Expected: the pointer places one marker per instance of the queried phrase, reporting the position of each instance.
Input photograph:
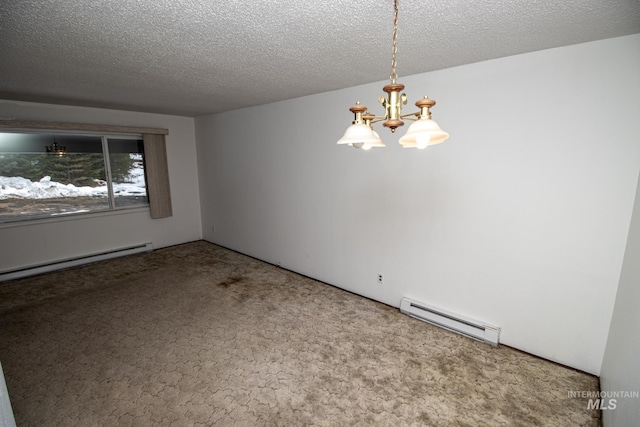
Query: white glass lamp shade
(423, 132)
(360, 136)
(367, 146)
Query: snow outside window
(88, 173)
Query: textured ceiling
(194, 57)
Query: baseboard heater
(73, 262)
(453, 322)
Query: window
(51, 174)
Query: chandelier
(422, 132)
(56, 149)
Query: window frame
(156, 170)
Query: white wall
(32, 244)
(621, 365)
(6, 413)
(519, 219)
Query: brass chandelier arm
(377, 119)
(411, 116)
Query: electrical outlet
(380, 278)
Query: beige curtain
(157, 170)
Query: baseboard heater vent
(73, 262)
(454, 322)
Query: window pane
(126, 157)
(36, 183)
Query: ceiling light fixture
(422, 133)
(56, 149)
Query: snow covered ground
(12, 187)
(15, 186)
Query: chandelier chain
(393, 75)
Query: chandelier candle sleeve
(421, 134)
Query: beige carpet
(200, 335)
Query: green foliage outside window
(71, 168)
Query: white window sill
(73, 216)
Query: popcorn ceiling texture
(194, 57)
(200, 335)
